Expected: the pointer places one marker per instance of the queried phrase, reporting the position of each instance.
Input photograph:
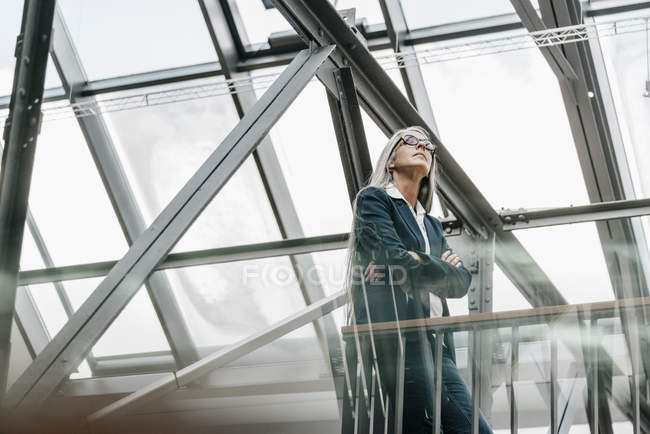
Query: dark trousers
(456, 402)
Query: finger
(455, 261)
(459, 264)
(451, 258)
(369, 269)
(444, 255)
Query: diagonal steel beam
(58, 359)
(275, 184)
(20, 135)
(119, 192)
(384, 102)
(350, 134)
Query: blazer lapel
(434, 240)
(407, 215)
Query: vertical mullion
(514, 374)
(437, 400)
(476, 379)
(553, 385)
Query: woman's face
(407, 157)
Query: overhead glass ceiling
(311, 164)
(500, 115)
(145, 35)
(432, 13)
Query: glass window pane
(125, 37)
(432, 13)
(162, 146)
(506, 296)
(307, 149)
(135, 330)
(572, 257)
(68, 199)
(49, 306)
(502, 117)
(224, 303)
(292, 360)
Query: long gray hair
(380, 178)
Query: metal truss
(53, 365)
(44, 376)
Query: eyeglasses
(413, 141)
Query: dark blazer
(385, 230)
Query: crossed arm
(376, 233)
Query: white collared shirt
(435, 302)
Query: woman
(408, 272)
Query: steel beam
(535, 218)
(350, 134)
(298, 246)
(220, 358)
(119, 192)
(276, 187)
(479, 301)
(59, 358)
(20, 135)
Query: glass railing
(551, 369)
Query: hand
(415, 255)
(371, 274)
(452, 258)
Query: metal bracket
(349, 16)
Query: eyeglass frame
(427, 143)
